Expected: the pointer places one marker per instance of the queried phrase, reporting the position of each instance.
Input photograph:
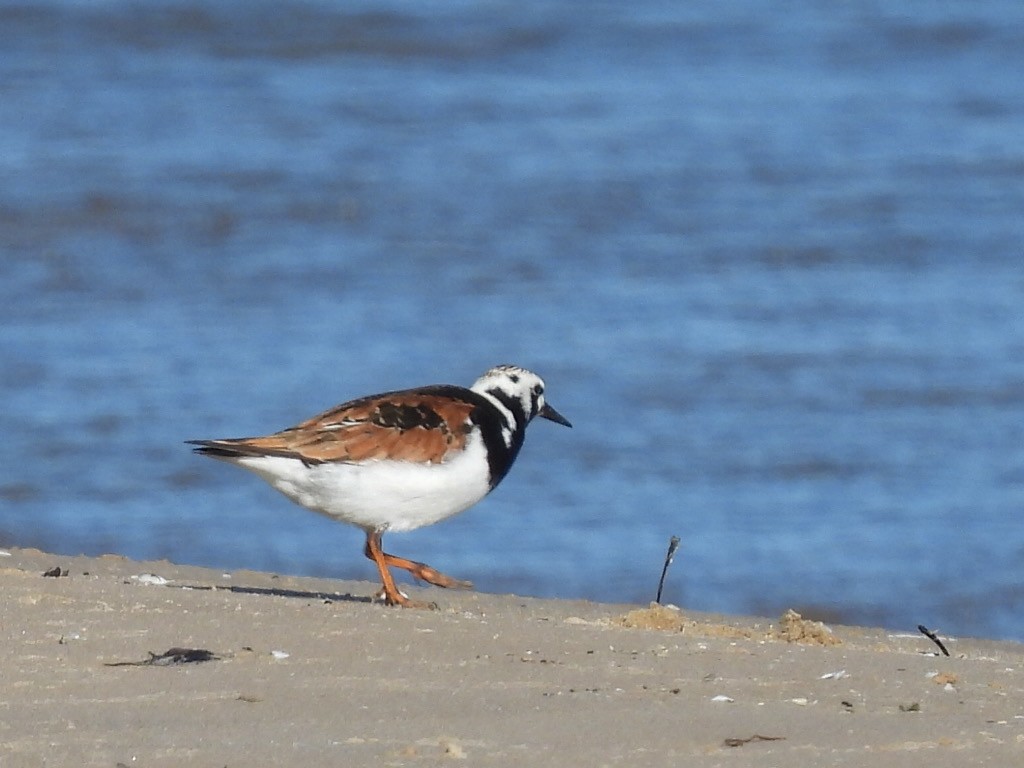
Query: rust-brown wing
(400, 426)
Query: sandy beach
(112, 662)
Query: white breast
(383, 495)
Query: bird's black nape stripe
(493, 425)
(514, 404)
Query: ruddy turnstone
(399, 460)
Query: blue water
(768, 257)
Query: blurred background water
(768, 256)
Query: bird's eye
(537, 389)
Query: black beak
(551, 414)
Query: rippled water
(768, 260)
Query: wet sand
(308, 672)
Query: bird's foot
(426, 573)
(403, 600)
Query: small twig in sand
(170, 657)
(673, 545)
(933, 637)
(755, 737)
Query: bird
(399, 460)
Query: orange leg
(373, 551)
(419, 571)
